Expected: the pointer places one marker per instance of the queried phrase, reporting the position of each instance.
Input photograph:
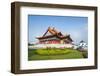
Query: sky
(77, 27)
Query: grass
(53, 53)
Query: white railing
(52, 46)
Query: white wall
(5, 33)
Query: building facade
(52, 36)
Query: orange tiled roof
(54, 32)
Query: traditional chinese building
(52, 36)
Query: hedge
(52, 51)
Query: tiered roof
(53, 33)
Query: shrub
(52, 51)
(85, 54)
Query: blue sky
(77, 27)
